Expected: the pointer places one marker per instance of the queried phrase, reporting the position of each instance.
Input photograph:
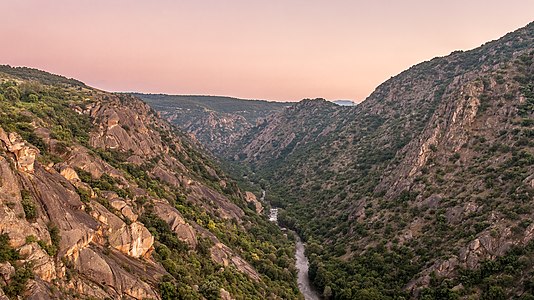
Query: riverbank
(301, 264)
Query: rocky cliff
(424, 189)
(100, 198)
(217, 122)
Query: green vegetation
(197, 105)
(28, 101)
(17, 282)
(28, 205)
(386, 192)
(7, 253)
(496, 279)
(196, 113)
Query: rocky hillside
(217, 122)
(424, 190)
(101, 199)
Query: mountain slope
(100, 198)
(215, 121)
(417, 186)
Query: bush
(17, 284)
(28, 205)
(7, 253)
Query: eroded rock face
(24, 153)
(3, 296)
(42, 264)
(134, 240)
(58, 204)
(65, 210)
(69, 174)
(223, 255)
(225, 295)
(117, 274)
(6, 271)
(214, 201)
(184, 231)
(41, 290)
(103, 251)
(251, 198)
(489, 244)
(116, 123)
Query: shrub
(17, 284)
(7, 253)
(28, 205)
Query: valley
(301, 261)
(425, 190)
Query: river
(302, 264)
(303, 280)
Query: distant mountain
(424, 190)
(215, 121)
(345, 102)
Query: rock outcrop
(23, 152)
(251, 198)
(77, 193)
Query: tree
(327, 293)
(12, 93)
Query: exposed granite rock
(129, 214)
(225, 295)
(251, 198)
(69, 174)
(113, 118)
(42, 264)
(65, 210)
(223, 255)
(6, 271)
(40, 290)
(134, 239)
(24, 153)
(184, 231)
(3, 296)
(113, 277)
(214, 201)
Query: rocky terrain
(102, 199)
(424, 190)
(217, 122)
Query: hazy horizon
(278, 51)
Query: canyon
(425, 190)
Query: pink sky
(278, 49)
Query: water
(302, 264)
(273, 215)
(303, 280)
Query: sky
(277, 50)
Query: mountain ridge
(100, 198)
(375, 186)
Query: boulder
(225, 295)
(251, 198)
(223, 255)
(24, 152)
(69, 174)
(42, 264)
(6, 271)
(134, 240)
(171, 216)
(129, 214)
